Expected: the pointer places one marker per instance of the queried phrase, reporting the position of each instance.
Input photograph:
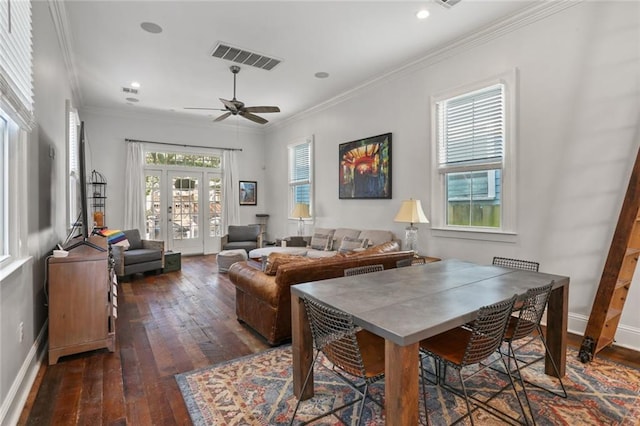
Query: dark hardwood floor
(167, 324)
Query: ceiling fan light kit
(236, 107)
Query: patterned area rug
(257, 390)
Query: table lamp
(301, 211)
(411, 212)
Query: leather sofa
(263, 302)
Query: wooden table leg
(401, 384)
(302, 348)
(557, 323)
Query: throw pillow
(124, 243)
(349, 244)
(321, 241)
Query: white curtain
(134, 188)
(231, 214)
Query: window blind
(16, 67)
(472, 128)
(300, 164)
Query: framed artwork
(248, 193)
(365, 168)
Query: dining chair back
(349, 348)
(507, 262)
(359, 270)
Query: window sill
(474, 234)
(12, 266)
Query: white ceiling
(353, 41)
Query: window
(473, 176)
(16, 121)
(300, 174)
(4, 188)
(73, 165)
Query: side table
(172, 261)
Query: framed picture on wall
(364, 168)
(248, 193)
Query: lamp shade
(301, 210)
(411, 212)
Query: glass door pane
(185, 218)
(153, 206)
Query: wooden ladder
(617, 274)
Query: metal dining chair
(527, 326)
(359, 270)
(507, 262)
(468, 346)
(351, 350)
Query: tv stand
(83, 304)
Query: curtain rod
(184, 145)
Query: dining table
(409, 304)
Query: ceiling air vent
(130, 90)
(447, 3)
(245, 57)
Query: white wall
(578, 134)
(106, 152)
(21, 294)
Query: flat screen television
(84, 205)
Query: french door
(184, 208)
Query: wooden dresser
(82, 301)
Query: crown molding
(65, 40)
(496, 29)
(167, 117)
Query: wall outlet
(21, 331)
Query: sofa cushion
(141, 256)
(340, 234)
(245, 245)
(275, 260)
(321, 241)
(349, 244)
(376, 237)
(243, 233)
(135, 242)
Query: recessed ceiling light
(132, 99)
(321, 74)
(422, 14)
(135, 84)
(150, 27)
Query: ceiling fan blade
(253, 117)
(209, 109)
(222, 117)
(230, 105)
(262, 109)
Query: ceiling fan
(235, 107)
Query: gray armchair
(141, 256)
(247, 237)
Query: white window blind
(300, 174)
(471, 128)
(16, 67)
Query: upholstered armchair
(140, 256)
(247, 237)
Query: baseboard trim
(626, 337)
(19, 392)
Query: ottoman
(226, 258)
